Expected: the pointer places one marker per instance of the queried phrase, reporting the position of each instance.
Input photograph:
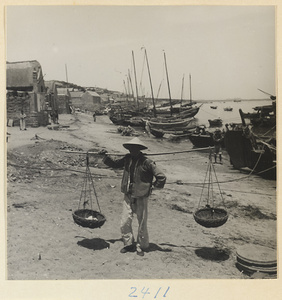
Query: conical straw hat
(135, 141)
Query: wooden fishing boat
(201, 140)
(248, 150)
(189, 113)
(264, 116)
(215, 122)
(168, 123)
(213, 107)
(158, 133)
(181, 131)
(228, 108)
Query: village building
(25, 90)
(88, 101)
(64, 101)
(76, 99)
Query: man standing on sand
(137, 183)
(22, 120)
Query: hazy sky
(228, 50)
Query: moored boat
(264, 116)
(246, 149)
(168, 123)
(215, 122)
(201, 140)
(213, 107)
(228, 108)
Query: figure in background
(94, 116)
(56, 117)
(147, 128)
(217, 139)
(22, 120)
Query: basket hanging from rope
(86, 216)
(210, 216)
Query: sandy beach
(44, 188)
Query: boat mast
(271, 96)
(135, 79)
(190, 88)
(130, 84)
(168, 85)
(154, 107)
(182, 90)
(125, 91)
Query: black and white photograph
(140, 144)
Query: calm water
(206, 112)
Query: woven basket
(82, 217)
(211, 217)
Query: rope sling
(210, 216)
(86, 216)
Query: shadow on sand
(155, 247)
(94, 244)
(213, 254)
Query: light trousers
(22, 124)
(138, 206)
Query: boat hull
(201, 141)
(168, 124)
(244, 152)
(215, 123)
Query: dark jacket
(140, 181)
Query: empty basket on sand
(87, 217)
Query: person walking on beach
(137, 183)
(217, 139)
(22, 120)
(94, 116)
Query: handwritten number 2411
(146, 292)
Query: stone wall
(15, 103)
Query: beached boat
(215, 122)
(246, 149)
(168, 123)
(264, 116)
(180, 131)
(180, 111)
(201, 140)
(189, 113)
(228, 108)
(174, 117)
(213, 107)
(158, 133)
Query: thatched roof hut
(25, 76)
